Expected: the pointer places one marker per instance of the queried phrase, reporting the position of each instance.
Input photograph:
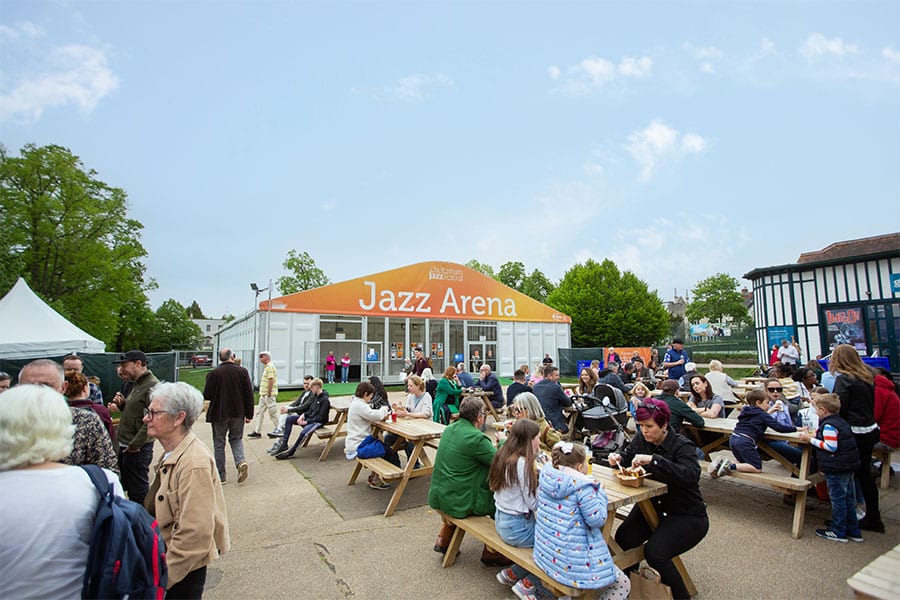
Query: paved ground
(298, 530)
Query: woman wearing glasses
(527, 406)
(669, 458)
(186, 496)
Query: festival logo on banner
(436, 290)
(845, 326)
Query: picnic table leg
(355, 473)
(407, 472)
(342, 417)
(453, 547)
(799, 514)
(653, 520)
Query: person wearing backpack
(186, 496)
(47, 507)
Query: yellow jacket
(190, 508)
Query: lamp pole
(256, 289)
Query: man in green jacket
(459, 483)
(135, 448)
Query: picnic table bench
(620, 499)
(797, 486)
(880, 578)
(340, 406)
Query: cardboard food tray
(632, 481)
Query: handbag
(647, 585)
(370, 447)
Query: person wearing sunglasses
(670, 458)
(779, 408)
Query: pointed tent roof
(436, 290)
(29, 328)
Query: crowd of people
(534, 483)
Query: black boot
(285, 454)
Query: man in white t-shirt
(788, 354)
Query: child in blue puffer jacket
(568, 537)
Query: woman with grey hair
(527, 406)
(48, 508)
(186, 496)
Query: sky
(678, 139)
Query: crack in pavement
(342, 585)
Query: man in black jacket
(230, 394)
(291, 413)
(552, 398)
(315, 414)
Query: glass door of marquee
(883, 329)
(480, 353)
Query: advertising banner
(781, 332)
(845, 326)
(436, 290)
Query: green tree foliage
(304, 274)
(536, 285)
(511, 274)
(483, 268)
(194, 311)
(69, 235)
(174, 329)
(716, 297)
(609, 308)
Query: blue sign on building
(778, 333)
(895, 283)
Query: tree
(194, 311)
(609, 308)
(305, 275)
(69, 235)
(537, 286)
(483, 268)
(717, 298)
(511, 274)
(174, 328)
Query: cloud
(75, 74)
(891, 55)
(658, 143)
(707, 55)
(593, 73)
(20, 31)
(412, 88)
(767, 46)
(817, 45)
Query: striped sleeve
(829, 441)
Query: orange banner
(431, 290)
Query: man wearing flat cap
(135, 448)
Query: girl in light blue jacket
(568, 537)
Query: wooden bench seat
(483, 529)
(783, 482)
(384, 469)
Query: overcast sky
(679, 139)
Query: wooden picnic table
(880, 578)
(796, 486)
(420, 432)
(341, 406)
(620, 496)
(754, 379)
(486, 398)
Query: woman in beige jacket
(186, 496)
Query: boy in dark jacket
(315, 415)
(744, 440)
(838, 459)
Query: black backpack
(127, 558)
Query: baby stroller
(601, 422)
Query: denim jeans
(307, 430)
(330, 376)
(518, 531)
(842, 490)
(234, 428)
(345, 372)
(289, 427)
(791, 453)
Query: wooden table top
(727, 426)
(341, 403)
(620, 495)
(412, 429)
(478, 393)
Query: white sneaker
(714, 468)
(523, 591)
(724, 468)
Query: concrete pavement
(298, 529)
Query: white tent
(29, 328)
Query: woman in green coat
(446, 396)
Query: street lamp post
(256, 289)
